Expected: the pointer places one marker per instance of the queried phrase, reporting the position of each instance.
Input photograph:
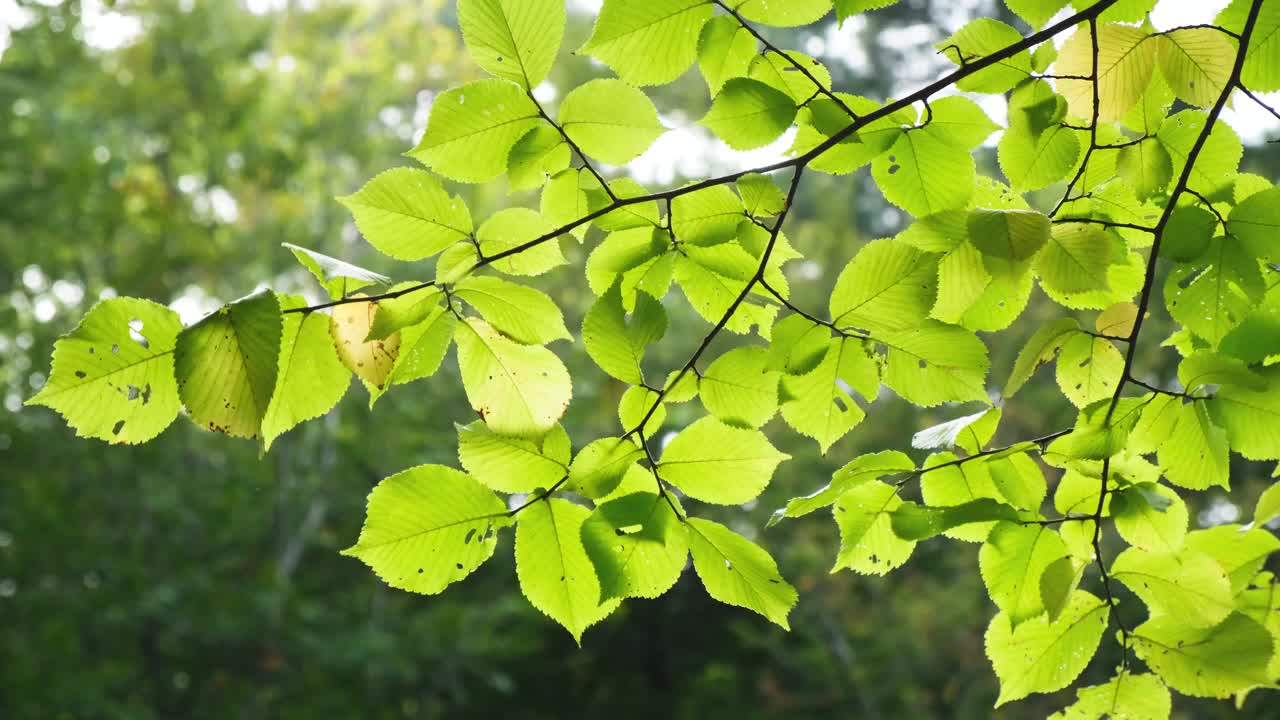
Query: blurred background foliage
(165, 149)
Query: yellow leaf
(371, 361)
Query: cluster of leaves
(1125, 115)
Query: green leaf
(1206, 662)
(858, 471)
(782, 14)
(970, 432)
(616, 346)
(921, 522)
(523, 314)
(924, 174)
(712, 279)
(511, 464)
(423, 347)
(846, 9)
(1018, 479)
(637, 545)
(1035, 12)
(1260, 67)
(1187, 234)
(709, 216)
(1146, 166)
(648, 43)
(1251, 418)
(566, 199)
(717, 463)
(936, 363)
(1205, 368)
(1075, 259)
(472, 129)
(1125, 61)
(113, 375)
(725, 50)
(391, 315)
(553, 568)
(888, 285)
(738, 572)
(1127, 696)
(1268, 506)
(312, 379)
(535, 157)
(947, 483)
(406, 214)
(868, 544)
(1216, 165)
(513, 39)
(227, 363)
(1032, 162)
(822, 118)
(1124, 11)
(1197, 63)
(1213, 295)
(962, 281)
(599, 467)
(336, 276)
(1014, 235)
(1013, 559)
(1240, 551)
(510, 228)
(1043, 656)
(982, 37)
(761, 195)
(427, 527)
(635, 405)
(610, 120)
(1255, 223)
(748, 114)
(1088, 369)
(1036, 150)
(634, 215)
(1042, 347)
(819, 403)
(1195, 455)
(959, 121)
(1188, 586)
(1150, 517)
(519, 390)
(797, 344)
(739, 388)
(1059, 581)
(778, 72)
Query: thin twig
(733, 307)
(574, 146)
(770, 47)
(1108, 223)
(368, 298)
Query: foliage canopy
(1148, 214)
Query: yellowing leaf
(373, 360)
(1126, 57)
(1197, 63)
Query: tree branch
(733, 307)
(574, 146)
